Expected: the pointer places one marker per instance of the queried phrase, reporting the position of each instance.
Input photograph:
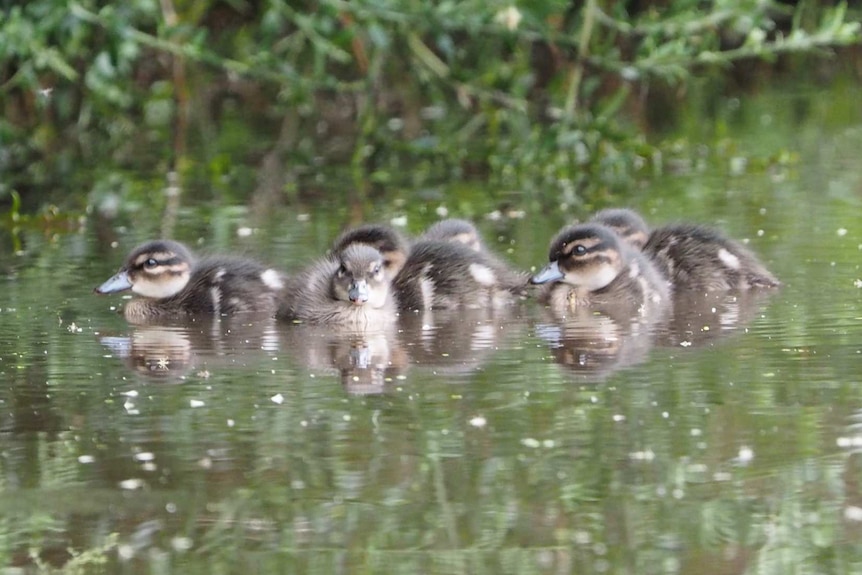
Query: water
(503, 443)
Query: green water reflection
(501, 444)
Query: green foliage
(531, 95)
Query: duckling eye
(579, 249)
(151, 263)
(341, 271)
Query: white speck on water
(678, 493)
(760, 233)
(478, 421)
(695, 432)
(145, 456)
(841, 232)
(548, 443)
(125, 552)
(442, 211)
(646, 455)
(618, 417)
(531, 443)
(746, 454)
(128, 405)
(303, 217)
(244, 231)
(181, 543)
(855, 441)
(131, 484)
(665, 414)
(130, 393)
(594, 399)
(196, 403)
(303, 423)
(277, 398)
(858, 283)
(399, 221)
(231, 423)
(853, 513)
(171, 507)
(346, 417)
(685, 344)
(86, 459)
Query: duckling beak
(119, 282)
(549, 273)
(358, 292)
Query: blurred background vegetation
(268, 102)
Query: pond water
(726, 442)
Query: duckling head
(588, 256)
(391, 244)
(361, 277)
(158, 269)
(455, 230)
(628, 224)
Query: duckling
(455, 230)
(391, 244)
(349, 288)
(443, 275)
(174, 284)
(692, 257)
(595, 269)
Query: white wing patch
(272, 279)
(728, 259)
(483, 274)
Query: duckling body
(693, 257)
(391, 244)
(445, 275)
(174, 284)
(348, 289)
(592, 268)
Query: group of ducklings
(373, 273)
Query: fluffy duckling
(391, 244)
(349, 289)
(595, 269)
(692, 257)
(444, 275)
(455, 230)
(174, 284)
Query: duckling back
(443, 275)
(703, 259)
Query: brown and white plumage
(348, 289)
(391, 244)
(445, 275)
(692, 257)
(590, 267)
(174, 284)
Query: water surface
(464, 443)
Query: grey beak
(119, 282)
(549, 273)
(358, 292)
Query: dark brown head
(455, 230)
(361, 277)
(585, 255)
(628, 224)
(158, 269)
(386, 240)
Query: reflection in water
(364, 361)
(701, 319)
(594, 345)
(176, 348)
(455, 341)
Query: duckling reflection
(701, 319)
(391, 244)
(594, 345)
(444, 275)
(348, 289)
(457, 341)
(364, 361)
(177, 348)
(592, 270)
(159, 352)
(173, 284)
(690, 256)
